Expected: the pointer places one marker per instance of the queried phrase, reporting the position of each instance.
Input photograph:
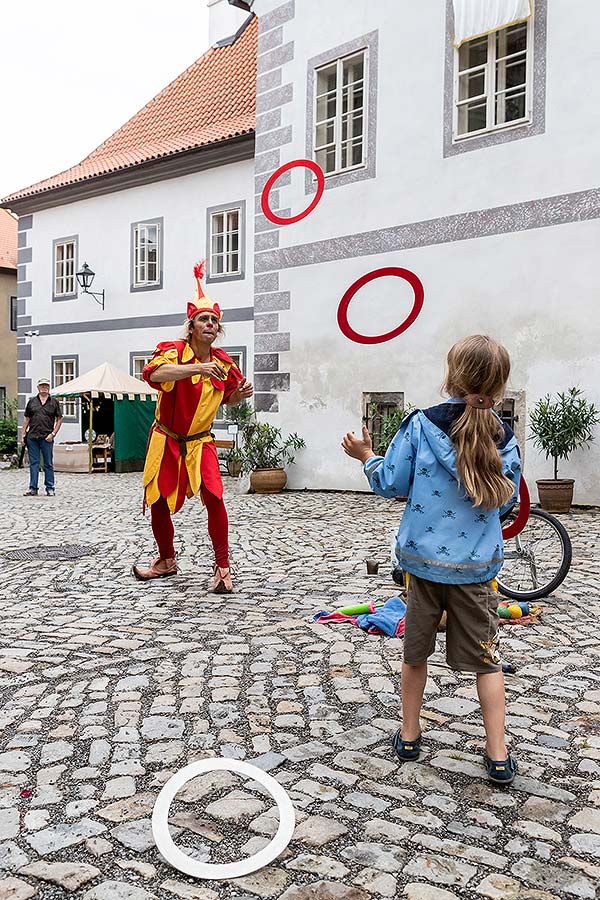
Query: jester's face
(205, 326)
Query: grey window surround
(210, 210)
(13, 313)
(58, 298)
(134, 354)
(507, 133)
(370, 43)
(243, 351)
(134, 288)
(61, 358)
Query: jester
(193, 379)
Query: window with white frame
(64, 369)
(146, 259)
(65, 261)
(493, 81)
(138, 361)
(340, 133)
(238, 356)
(225, 257)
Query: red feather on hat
(200, 269)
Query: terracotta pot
(556, 494)
(268, 481)
(234, 468)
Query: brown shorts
(471, 628)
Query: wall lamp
(85, 276)
(32, 333)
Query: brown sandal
(222, 581)
(169, 568)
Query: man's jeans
(35, 446)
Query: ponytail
(475, 436)
(478, 370)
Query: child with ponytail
(459, 465)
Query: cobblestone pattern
(109, 686)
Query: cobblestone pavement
(109, 686)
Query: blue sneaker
(406, 750)
(501, 771)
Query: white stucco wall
(534, 289)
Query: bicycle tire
(561, 573)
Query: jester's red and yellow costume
(186, 407)
(181, 459)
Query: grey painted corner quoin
(272, 134)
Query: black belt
(182, 439)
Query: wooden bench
(223, 445)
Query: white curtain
(475, 17)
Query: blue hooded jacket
(442, 537)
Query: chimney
(224, 18)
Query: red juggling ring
(295, 163)
(342, 314)
(520, 522)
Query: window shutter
(473, 18)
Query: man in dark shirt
(41, 423)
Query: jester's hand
(244, 391)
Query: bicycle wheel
(537, 560)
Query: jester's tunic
(185, 407)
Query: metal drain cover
(67, 551)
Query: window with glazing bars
(65, 370)
(222, 414)
(492, 81)
(146, 253)
(225, 242)
(138, 363)
(340, 117)
(64, 268)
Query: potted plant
(389, 424)
(234, 460)
(265, 455)
(558, 427)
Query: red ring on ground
(295, 163)
(342, 313)
(520, 522)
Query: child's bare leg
(490, 688)
(412, 685)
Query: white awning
(109, 381)
(473, 18)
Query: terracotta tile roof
(8, 240)
(213, 100)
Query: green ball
(503, 612)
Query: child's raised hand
(358, 448)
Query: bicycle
(537, 560)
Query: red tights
(162, 526)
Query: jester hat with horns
(203, 302)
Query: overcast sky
(73, 71)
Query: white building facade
(474, 169)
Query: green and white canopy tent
(134, 408)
